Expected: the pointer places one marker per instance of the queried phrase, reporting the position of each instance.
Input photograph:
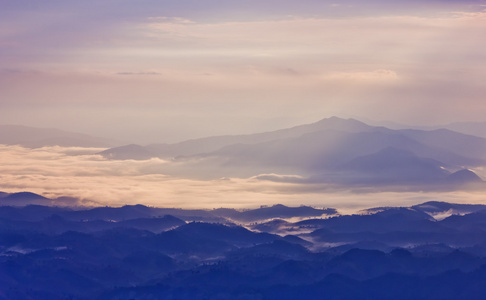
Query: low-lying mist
(81, 173)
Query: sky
(164, 71)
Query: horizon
(379, 123)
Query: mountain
(235, 234)
(131, 151)
(307, 150)
(464, 176)
(210, 144)
(455, 142)
(445, 209)
(445, 144)
(275, 211)
(392, 165)
(32, 137)
(25, 205)
(477, 129)
(388, 253)
(323, 155)
(471, 128)
(56, 224)
(333, 150)
(468, 222)
(23, 198)
(155, 225)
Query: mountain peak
(25, 196)
(464, 176)
(337, 123)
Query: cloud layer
(55, 172)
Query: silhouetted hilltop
(464, 176)
(275, 211)
(437, 207)
(131, 151)
(27, 210)
(22, 198)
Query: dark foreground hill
(130, 253)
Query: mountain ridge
(317, 149)
(34, 137)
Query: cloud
(138, 73)
(279, 178)
(376, 75)
(53, 173)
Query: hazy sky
(168, 70)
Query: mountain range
(32, 204)
(333, 150)
(140, 252)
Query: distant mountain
(464, 176)
(437, 207)
(28, 198)
(323, 150)
(446, 144)
(320, 148)
(23, 198)
(477, 129)
(210, 144)
(57, 224)
(457, 143)
(39, 137)
(131, 151)
(27, 205)
(392, 166)
(475, 221)
(275, 211)
(471, 128)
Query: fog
(55, 172)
